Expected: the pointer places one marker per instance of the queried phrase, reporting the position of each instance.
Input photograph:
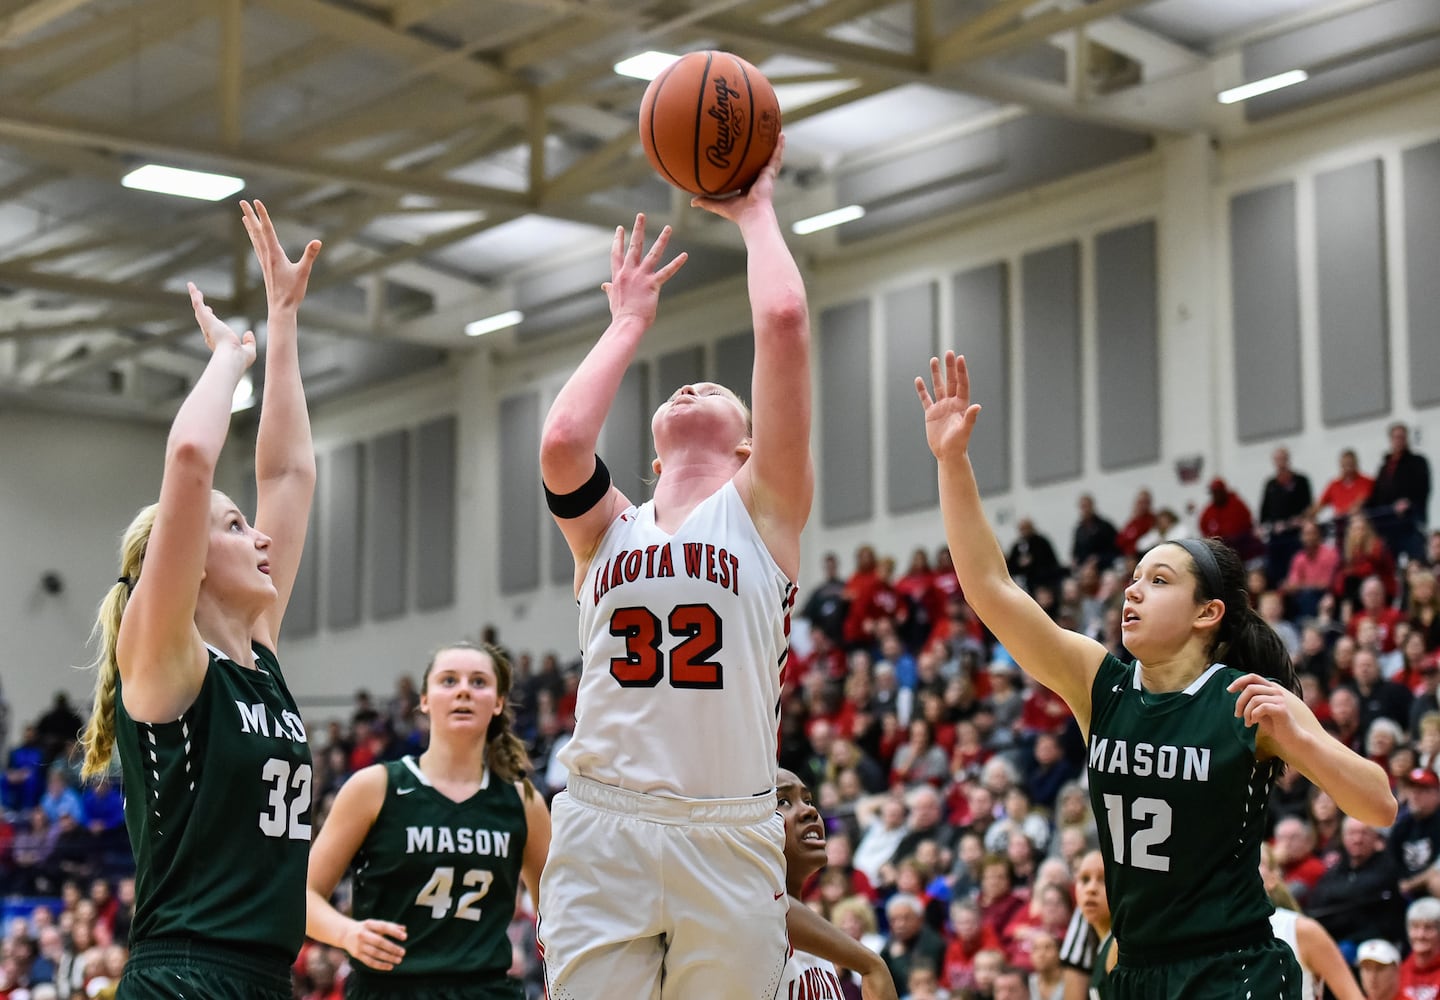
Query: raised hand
(285, 280)
(760, 192)
(218, 335)
(636, 277)
(949, 414)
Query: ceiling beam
(33, 16)
(956, 49)
(91, 324)
(15, 122)
(367, 32)
(231, 71)
(94, 288)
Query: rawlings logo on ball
(729, 120)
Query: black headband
(1206, 564)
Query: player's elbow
(787, 313)
(563, 438)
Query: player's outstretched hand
(218, 335)
(760, 192)
(285, 279)
(370, 942)
(636, 277)
(949, 414)
(1262, 703)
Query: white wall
(68, 488)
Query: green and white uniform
(1180, 799)
(217, 805)
(448, 871)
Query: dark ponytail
(1244, 640)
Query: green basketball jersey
(1180, 802)
(217, 805)
(448, 871)
(1100, 975)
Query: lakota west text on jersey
(1143, 760)
(696, 560)
(461, 840)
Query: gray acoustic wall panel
(344, 510)
(982, 333)
(1354, 320)
(625, 441)
(1128, 354)
(735, 363)
(846, 459)
(518, 518)
(683, 367)
(387, 522)
(562, 564)
(435, 504)
(1422, 270)
(911, 318)
(1050, 300)
(302, 614)
(1266, 312)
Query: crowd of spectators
(952, 785)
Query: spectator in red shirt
(1228, 518)
(1420, 973)
(999, 902)
(1294, 850)
(1142, 519)
(857, 595)
(1312, 571)
(1364, 555)
(1346, 493)
(1375, 607)
(969, 937)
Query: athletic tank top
(217, 805)
(1100, 976)
(1282, 922)
(1180, 802)
(447, 870)
(809, 977)
(684, 640)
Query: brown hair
(505, 753)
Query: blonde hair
(99, 736)
(1279, 893)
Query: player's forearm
(812, 933)
(283, 447)
(572, 426)
(1359, 787)
(979, 561)
(323, 922)
(777, 292)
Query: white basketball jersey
(1282, 922)
(685, 637)
(809, 977)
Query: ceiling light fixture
(500, 321)
(828, 220)
(182, 183)
(645, 66)
(1248, 90)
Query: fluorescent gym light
(825, 220)
(645, 66)
(500, 321)
(244, 397)
(1277, 82)
(182, 183)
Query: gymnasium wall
(1097, 313)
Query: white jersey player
(670, 797)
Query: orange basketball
(709, 123)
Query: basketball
(709, 123)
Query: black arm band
(580, 502)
